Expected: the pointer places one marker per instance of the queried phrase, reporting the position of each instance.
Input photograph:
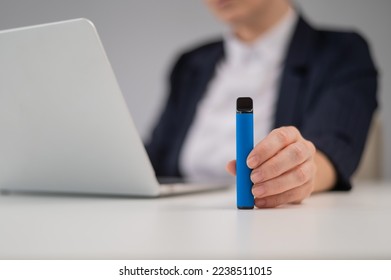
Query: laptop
(64, 123)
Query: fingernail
(252, 162)
(258, 191)
(256, 177)
(261, 203)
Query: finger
(295, 195)
(231, 167)
(287, 159)
(289, 180)
(276, 140)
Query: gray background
(142, 38)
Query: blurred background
(143, 38)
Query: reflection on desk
(352, 225)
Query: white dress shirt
(247, 71)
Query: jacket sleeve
(339, 120)
(158, 147)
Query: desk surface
(353, 225)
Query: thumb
(231, 167)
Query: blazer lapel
(296, 68)
(203, 71)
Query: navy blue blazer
(327, 90)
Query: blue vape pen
(244, 145)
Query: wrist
(325, 175)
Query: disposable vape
(244, 145)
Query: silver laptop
(64, 124)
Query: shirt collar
(270, 47)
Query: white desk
(352, 225)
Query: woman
(314, 96)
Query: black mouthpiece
(244, 105)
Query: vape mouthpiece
(244, 105)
